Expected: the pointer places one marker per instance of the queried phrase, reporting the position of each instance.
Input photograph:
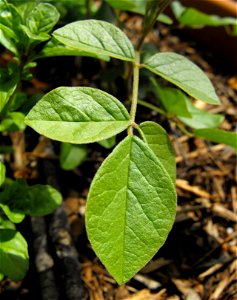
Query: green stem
(152, 107)
(136, 67)
(184, 130)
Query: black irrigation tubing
(43, 260)
(65, 251)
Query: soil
(198, 260)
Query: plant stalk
(152, 107)
(136, 67)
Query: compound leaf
(158, 140)
(183, 73)
(14, 260)
(78, 115)
(218, 136)
(130, 208)
(98, 37)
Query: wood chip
(223, 212)
(210, 271)
(183, 184)
(147, 295)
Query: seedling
(132, 200)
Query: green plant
(132, 199)
(16, 200)
(192, 17)
(19, 33)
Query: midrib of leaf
(84, 46)
(28, 121)
(126, 205)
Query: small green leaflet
(14, 260)
(40, 20)
(2, 173)
(218, 136)
(158, 140)
(176, 102)
(71, 156)
(189, 16)
(130, 209)
(172, 99)
(108, 143)
(200, 118)
(78, 115)
(183, 73)
(98, 37)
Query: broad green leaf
(55, 48)
(36, 200)
(98, 37)
(78, 115)
(189, 16)
(172, 99)
(130, 208)
(200, 118)
(14, 259)
(40, 200)
(183, 73)
(137, 6)
(158, 140)
(2, 173)
(108, 143)
(71, 156)
(8, 82)
(1, 277)
(218, 136)
(13, 122)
